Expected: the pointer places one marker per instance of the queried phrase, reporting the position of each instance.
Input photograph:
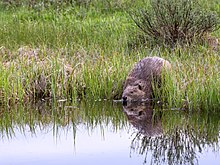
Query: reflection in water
(141, 117)
(104, 130)
(182, 139)
(59, 115)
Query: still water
(106, 133)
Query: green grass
(193, 82)
(85, 52)
(64, 29)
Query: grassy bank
(86, 52)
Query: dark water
(106, 133)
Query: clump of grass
(32, 75)
(192, 83)
(102, 79)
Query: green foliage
(170, 22)
(193, 82)
(82, 53)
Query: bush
(174, 21)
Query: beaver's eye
(140, 113)
(140, 87)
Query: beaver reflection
(142, 117)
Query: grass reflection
(172, 137)
(168, 137)
(60, 115)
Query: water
(105, 133)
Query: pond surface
(106, 133)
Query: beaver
(138, 85)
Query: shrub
(175, 21)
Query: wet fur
(138, 85)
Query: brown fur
(138, 85)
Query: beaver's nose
(124, 98)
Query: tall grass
(193, 82)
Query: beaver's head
(134, 92)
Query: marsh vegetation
(84, 50)
(62, 63)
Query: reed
(193, 82)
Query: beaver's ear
(130, 79)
